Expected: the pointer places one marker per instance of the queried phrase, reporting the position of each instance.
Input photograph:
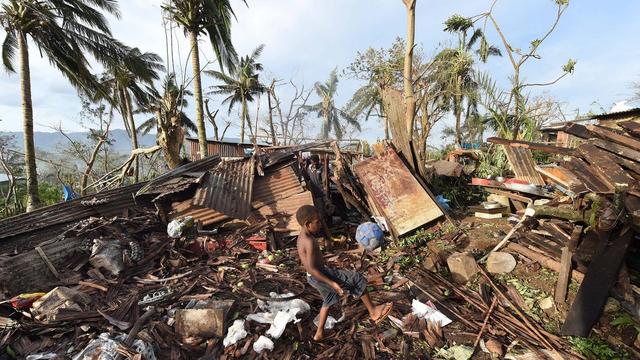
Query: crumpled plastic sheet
(331, 321)
(279, 313)
(235, 333)
(42, 356)
(178, 226)
(263, 343)
(429, 312)
(104, 348)
(107, 254)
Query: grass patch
(596, 348)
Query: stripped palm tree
(367, 101)
(241, 86)
(326, 109)
(170, 122)
(63, 31)
(197, 17)
(455, 68)
(129, 81)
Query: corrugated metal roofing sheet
(106, 203)
(192, 167)
(284, 211)
(277, 183)
(228, 188)
(521, 161)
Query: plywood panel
(396, 192)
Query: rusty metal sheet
(228, 188)
(396, 192)
(204, 215)
(106, 203)
(521, 161)
(277, 183)
(192, 167)
(284, 211)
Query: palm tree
(327, 110)
(456, 67)
(125, 81)
(367, 101)
(241, 86)
(212, 17)
(63, 30)
(170, 122)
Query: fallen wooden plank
(578, 130)
(530, 145)
(588, 177)
(605, 165)
(632, 127)
(598, 281)
(606, 134)
(617, 149)
(543, 260)
(563, 276)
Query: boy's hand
(338, 289)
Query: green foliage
(210, 17)
(492, 163)
(327, 110)
(625, 320)
(49, 194)
(541, 157)
(457, 190)
(595, 348)
(457, 23)
(569, 66)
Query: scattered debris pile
(583, 214)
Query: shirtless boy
(330, 283)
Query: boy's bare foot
(380, 312)
(319, 336)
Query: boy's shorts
(350, 281)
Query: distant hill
(52, 141)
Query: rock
(429, 263)
(500, 263)
(495, 347)
(637, 342)
(462, 266)
(546, 303)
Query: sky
(306, 39)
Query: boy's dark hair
(315, 158)
(305, 213)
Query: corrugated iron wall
(521, 161)
(228, 188)
(216, 148)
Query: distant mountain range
(53, 141)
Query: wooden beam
(632, 127)
(617, 149)
(578, 130)
(565, 265)
(598, 281)
(610, 135)
(605, 165)
(532, 146)
(588, 177)
(543, 260)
